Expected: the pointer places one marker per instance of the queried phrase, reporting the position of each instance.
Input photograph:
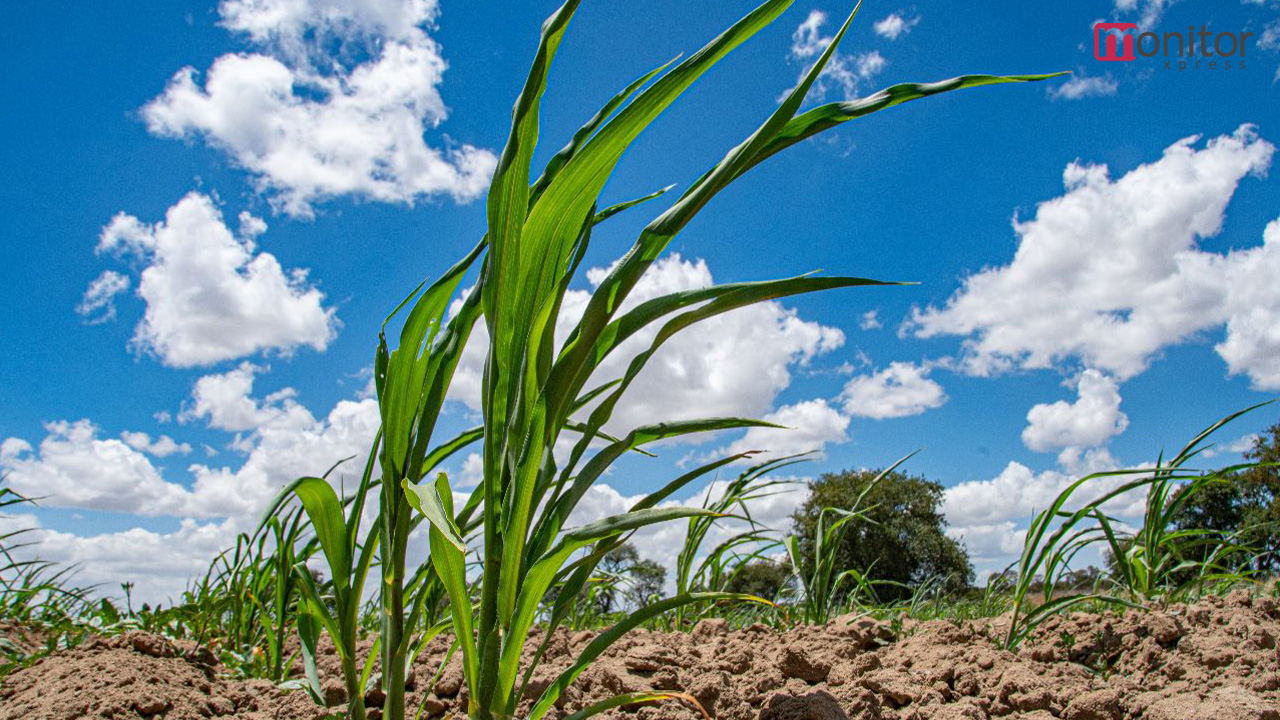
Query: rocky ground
(1214, 660)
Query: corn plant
(822, 582)
(536, 390)
(33, 591)
(1160, 562)
(715, 569)
(1150, 564)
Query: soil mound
(139, 675)
(1215, 660)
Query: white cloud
(1252, 306)
(288, 442)
(900, 390)
(1080, 86)
(472, 473)
(210, 295)
(990, 516)
(161, 447)
(1235, 447)
(99, 302)
(870, 320)
(846, 73)
(288, 22)
(991, 547)
(809, 427)
(1270, 37)
(1016, 494)
(1093, 419)
(895, 26)
(1149, 11)
(224, 400)
(309, 122)
(74, 467)
(108, 559)
(733, 365)
(1109, 273)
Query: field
(321, 610)
(1215, 659)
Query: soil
(1214, 660)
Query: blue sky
(206, 214)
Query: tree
(1245, 509)
(902, 541)
(1260, 489)
(762, 578)
(647, 579)
(612, 569)
(627, 577)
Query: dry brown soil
(1214, 660)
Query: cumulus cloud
(99, 302)
(895, 26)
(105, 560)
(900, 390)
(990, 516)
(210, 295)
(991, 547)
(807, 426)
(733, 365)
(161, 447)
(1080, 86)
(224, 400)
(847, 74)
(870, 320)
(1017, 493)
(1148, 12)
(287, 442)
(334, 100)
(74, 467)
(1093, 419)
(1109, 273)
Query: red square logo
(1114, 41)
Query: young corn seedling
(823, 584)
(1149, 565)
(714, 570)
(535, 388)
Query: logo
(1192, 50)
(1114, 41)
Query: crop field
(405, 595)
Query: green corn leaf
(309, 633)
(830, 115)
(559, 509)
(451, 566)
(557, 163)
(324, 510)
(428, 500)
